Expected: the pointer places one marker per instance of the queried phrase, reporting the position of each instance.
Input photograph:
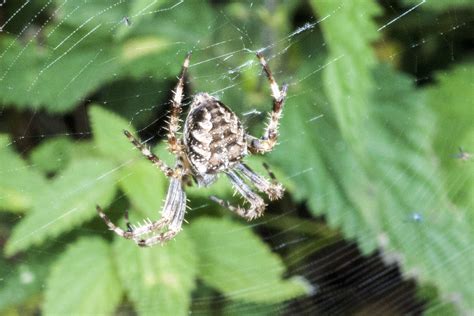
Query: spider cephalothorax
(214, 142)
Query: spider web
(370, 224)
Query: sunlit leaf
(158, 280)
(348, 80)
(234, 261)
(452, 99)
(66, 203)
(20, 184)
(83, 281)
(81, 53)
(56, 80)
(108, 135)
(376, 206)
(87, 15)
(53, 154)
(145, 186)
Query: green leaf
(348, 81)
(145, 186)
(375, 170)
(20, 184)
(50, 79)
(88, 45)
(91, 14)
(53, 154)
(375, 203)
(237, 263)
(108, 135)
(452, 99)
(83, 281)
(66, 203)
(158, 280)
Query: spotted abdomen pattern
(214, 138)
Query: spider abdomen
(213, 135)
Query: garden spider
(214, 141)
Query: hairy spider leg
(273, 189)
(172, 217)
(174, 144)
(169, 172)
(131, 232)
(269, 138)
(257, 205)
(119, 231)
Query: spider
(213, 142)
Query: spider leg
(257, 205)
(171, 218)
(269, 138)
(270, 172)
(127, 222)
(172, 215)
(131, 232)
(174, 145)
(150, 156)
(273, 189)
(119, 231)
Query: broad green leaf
(88, 45)
(158, 280)
(440, 5)
(145, 186)
(376, 206)
(54, 79)
(68, 201)
(349, 31)
(20, 183)
(83, 281)
(108, 135)
(90, 14)
(376, 169)
(438, 252)
(148, 44)
(137, 12)
(452, 99)
(236, 262)
(22, 280)
(53, 154)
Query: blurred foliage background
(374, 152)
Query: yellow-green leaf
(237, 263)
(158, 280)
(66, 203)
(83, 281)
